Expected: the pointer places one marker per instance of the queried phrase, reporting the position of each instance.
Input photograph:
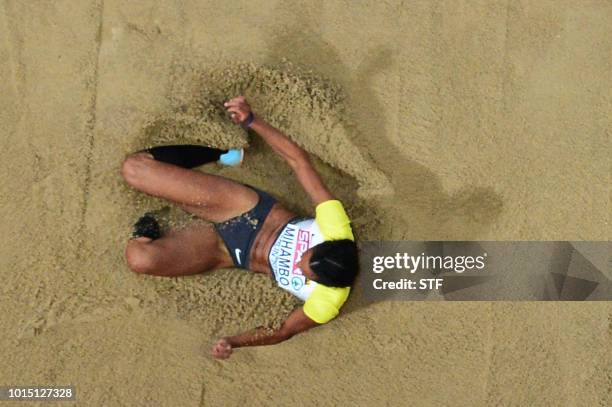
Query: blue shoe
(232, 158)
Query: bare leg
(193, 250)
(208, 196)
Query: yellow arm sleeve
(333, 221)
(325, 302)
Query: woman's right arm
(297, 158)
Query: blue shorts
(238, 233)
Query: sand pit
(284, 95)
(310, 109)
(431, 121)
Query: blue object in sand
(232, 158)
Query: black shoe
(147, 226)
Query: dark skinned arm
(295, 323)
(297, 158)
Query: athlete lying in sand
(314, 259)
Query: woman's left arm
(295, 323)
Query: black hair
(335, 262)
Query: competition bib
(294, 240)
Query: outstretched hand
(239, 109)
(222, 349)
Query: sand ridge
(307, 107)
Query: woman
(314, 259)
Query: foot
(147, 226)
(232, 158)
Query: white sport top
(297, 237)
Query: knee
(139, 259)
(135, 166)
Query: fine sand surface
(431, 120)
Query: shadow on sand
(419, 207)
